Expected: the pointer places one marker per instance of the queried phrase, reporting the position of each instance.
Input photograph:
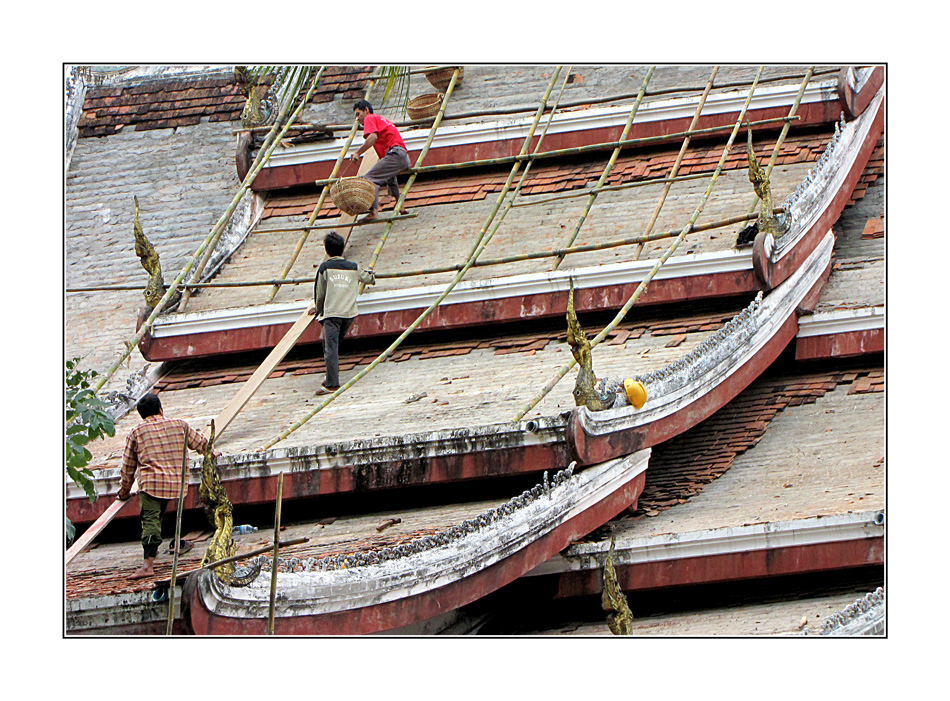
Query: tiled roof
(190, 374)
(683, 466)
(160, 105)
(548, 177)
(872, 171)
(181, 102)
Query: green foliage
(87, 419)
(287, 82)
(397, 84)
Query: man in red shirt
(383, 136)
(155, 449)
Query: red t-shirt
(387, 135)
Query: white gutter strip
(841, 321)
(579, 120)
(466, 291)
(718, 541)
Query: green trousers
(151, 510)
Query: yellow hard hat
(636, 392)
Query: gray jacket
(336, 288)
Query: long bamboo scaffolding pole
(586, 192)
(610, 165)
(281, 119)
(480, 237)
(323, 194)
(500, 218)
(250, 553)
(781, 137)
(674, 171)
(176, 544)
(273, 568)
(215, 233)
(576, 150)
(576, 103)
(646, 281)
(412, 178)
(335, 225)
(481, 262)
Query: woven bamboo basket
(353, 195)
(424, 106)
(441, 77)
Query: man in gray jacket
(334, 294)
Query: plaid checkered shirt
(154, 447)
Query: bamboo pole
(514, 195)
(781, 137)
(412, 178)
(281, 119)
(251, 553)
(273, 569)
(176, 544)
(576, 103)
(422, 317)
(336, 225)
(611, 188)
(584, 248)
(679, 160)
(215, 233)
(646, 281)
(323, 194)
(610, 164)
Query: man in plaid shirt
(155, 448)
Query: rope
(216, 231)
(480, 242)
(669, 252)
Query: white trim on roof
(631, 550)
(841, 321)
(466, 291)
(578, 120)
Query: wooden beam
(100, 523)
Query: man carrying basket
(383, 136)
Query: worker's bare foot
(142, 572)
(371, 215)
(403, 211)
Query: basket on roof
(441, 77)
(424, 106)
(353, 195)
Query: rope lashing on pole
(666, 255)
(215, 232)
(422, 317)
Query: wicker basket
(424, 106)
(441, 77)
(353, 195)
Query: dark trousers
(385, 171)
(334, 329)
(150, 512)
